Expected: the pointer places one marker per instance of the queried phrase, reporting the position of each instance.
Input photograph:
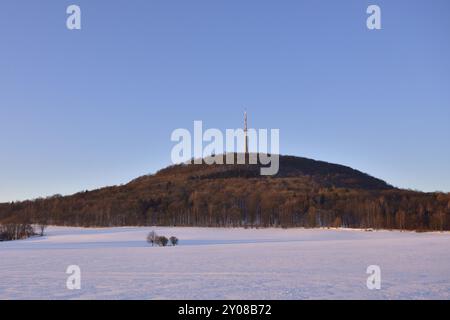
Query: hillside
(322, 173)
(305, 193)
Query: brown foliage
(306, 193)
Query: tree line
(237, 202)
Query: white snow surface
(118, 263)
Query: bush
(16, 231)
(162, 241)
(173, 241)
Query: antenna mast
(245, 131)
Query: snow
(118, 263)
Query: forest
(305, 193)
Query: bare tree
(16, 231)
(152, 237)
(42, 227)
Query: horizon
(90, 108)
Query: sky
(82, 109)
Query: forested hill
(321, 173)
(305, 193)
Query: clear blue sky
(96, 107)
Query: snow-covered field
(117, 263)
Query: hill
(322, 173)
(304, 193)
